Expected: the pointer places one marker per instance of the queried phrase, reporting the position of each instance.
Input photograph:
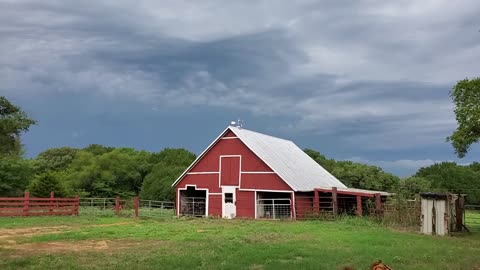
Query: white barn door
(229, 208)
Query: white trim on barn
(192, 173)
(228, 138)
(254, 172)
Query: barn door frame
(239, 170)
(229, 204)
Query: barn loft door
(230, 171)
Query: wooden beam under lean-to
(359, 206)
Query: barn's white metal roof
(290, 162)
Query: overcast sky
(359, 80)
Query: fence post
(292, 199)
(316, 202)
(136, 205)
(76, 205)
(26, 200)
(273, 208)
(378, 204)
(117, 205)
(334, 201)
(359, 206)
(50, 208)
(459, 212)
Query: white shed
(442, 213)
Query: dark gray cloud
(372, 75)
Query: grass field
(170, 243)
(472, 220)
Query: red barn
(247, 174)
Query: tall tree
(357, 175)
(15, 174)
(157, 184)
(45, 183)
(56, 159)
(363, 176)
(327, 164)
(411, 186)
(448, 176)
(98, 149)
(466, 97)
(13, 122)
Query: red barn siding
(245, 204)
(229, 134)
(230, 172)
(250, 161)
(263, 181)
(303, 204)
(206, 174)
(215, 205)
(209, 181)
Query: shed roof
(285, 158)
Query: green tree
(172, 162)
(327, 164)
(411, 186)
(45, 183)
(82, 173)
(448, 176)
(15, 175)
(466, 97)
(13, 122)
(56, 159)
(364, 176)
(357, 175)
(98, 149)
(157, 185)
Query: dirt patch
(111, 224)
(32, 231)
(105, 246)
(8, 233)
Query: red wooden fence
(27, 206)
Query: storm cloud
(371, 77)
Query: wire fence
(107, 207)
(151, 208)
(472, 218)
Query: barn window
(274, 205)
(193, 202)
(228, 197)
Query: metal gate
(193, 206)
(274, 208)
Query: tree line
(95, 171)
(103, 171)
(440, 177)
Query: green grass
(171, 243)
(472, 220)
